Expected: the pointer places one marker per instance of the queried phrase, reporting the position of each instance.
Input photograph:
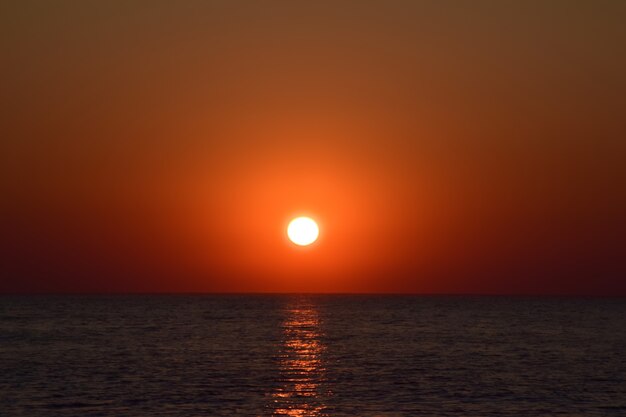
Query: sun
(303, 231)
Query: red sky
(442, 147)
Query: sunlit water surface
(311, 356)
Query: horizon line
(305, 293)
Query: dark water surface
(311, 356)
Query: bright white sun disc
(303, 231)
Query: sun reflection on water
(301, 364)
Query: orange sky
(442, 147)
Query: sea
(311, 355)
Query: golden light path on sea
(302, 368)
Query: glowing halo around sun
(303, 231)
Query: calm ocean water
(311, 356)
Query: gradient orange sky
(443, 147)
